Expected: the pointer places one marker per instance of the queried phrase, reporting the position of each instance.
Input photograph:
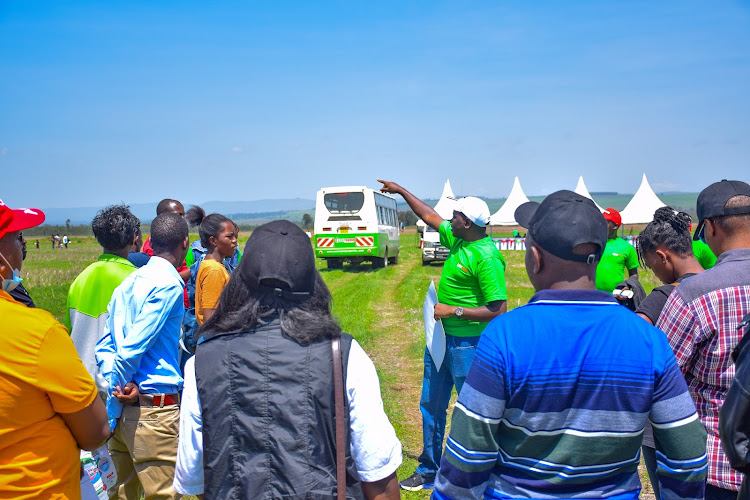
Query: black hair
(733, 224)
(165, 206)
(115, 227)
(240, 308)
(168, 231)
(670, 229)
(208, 225)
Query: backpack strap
(338, 390)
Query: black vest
(268, 412)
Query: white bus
(355, 224)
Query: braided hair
(670, 229)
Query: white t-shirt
(374, 446)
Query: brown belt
(157, 400)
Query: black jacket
(734, 416)
(268, 412)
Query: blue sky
(103, 102)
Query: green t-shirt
(473, 276)
(618, 256)
(703, 253)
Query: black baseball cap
(712, 201)
(561, 222)
(279, 257)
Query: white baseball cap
(475, 209)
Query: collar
(162, 265)
(580, 296)
(108, 257)
(738, 254)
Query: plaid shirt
(700, 319)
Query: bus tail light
(362, 228)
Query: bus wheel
(379, 262)
(394, 260)
(335, 263)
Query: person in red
(168, 205)
(48, 403)
(618, 256)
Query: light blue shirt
(142, 332)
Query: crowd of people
(57, 241)
(195, 369)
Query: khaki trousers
(144, 452)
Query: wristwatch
(459, 312)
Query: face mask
(12, 283)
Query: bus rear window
(337, 203)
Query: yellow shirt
(211, 279)
(41, 376)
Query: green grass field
(381, 308)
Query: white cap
(475, 209)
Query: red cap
(18, 219)
(613, 215)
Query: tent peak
(505, 216)
(581, 189)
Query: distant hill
(147, 211)
(260, 211)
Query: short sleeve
(652, 305)
(211, 286)
(61, 373)
(446, 234)
(188, 474)
(375, 447)
(491, 277)
(631, 259)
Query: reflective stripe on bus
(365, 241)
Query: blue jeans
(436, 396)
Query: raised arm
(420, 208)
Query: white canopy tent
(445, 204)
(641, 208)
(581, 189)
(506, 215)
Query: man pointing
(471, 293)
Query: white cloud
(237, 149)
(4, 151)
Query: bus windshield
(338, 203)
